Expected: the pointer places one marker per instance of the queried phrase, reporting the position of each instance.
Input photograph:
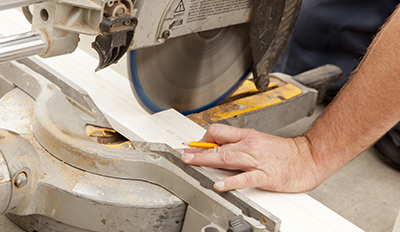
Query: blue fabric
(333, 32)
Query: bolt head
(166, 34)
(21, 180)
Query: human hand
(269, 162)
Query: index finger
(231, 160)
(223, 134)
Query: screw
(1, 176)
(264, 221)
(166, 34)
(21, 180)
(127, 23)
(110, 3)
(262, 82)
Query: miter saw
(186, 54)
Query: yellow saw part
(242, 106)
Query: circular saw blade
(191, 73)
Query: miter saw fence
(207, 58)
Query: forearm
(367, 107)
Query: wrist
(316, 162)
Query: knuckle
(248, 179)
(215, 129)
(250, 143)
(226, 157)
(249, 132)
(214, 150)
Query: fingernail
(187, 157)
(219, 186)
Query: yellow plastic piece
(246, 105)
(250, 87)
(102, 131)
(261, 101)
(124, 145)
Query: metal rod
(22, 45)
(9, 4)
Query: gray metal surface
(75, 95)
(121, 203)
(22, 160)
(6, 225)
(8, 4)
(27, 75)
(69, 196)
(22, 45)
(62, 21)
(5, 185)
(181, 17)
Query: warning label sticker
(188, 16)
(180, 7)
(201, 9)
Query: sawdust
(16, 111)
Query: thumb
(250, 179)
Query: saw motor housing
(63, 21)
